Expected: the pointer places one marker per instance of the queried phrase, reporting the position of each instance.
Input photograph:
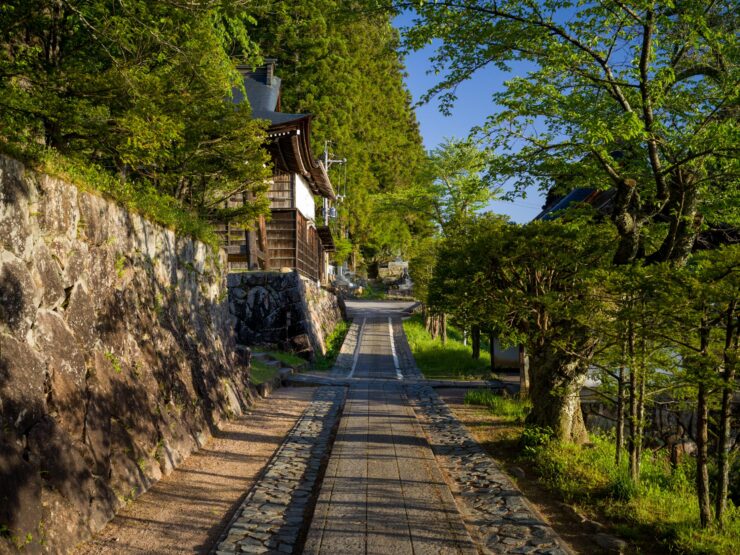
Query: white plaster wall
(304, 199)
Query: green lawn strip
(373, 292)
(662, 508)
(453, 360)
(289, 359)
(334, 341)
(510, 409)
(261, 372)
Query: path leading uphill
(387, 468)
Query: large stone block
(22, 377)
(57, 207)
(19, 297)
(48, 277)
(65, 365)
(17, 195)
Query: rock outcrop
(283, 309)
(117, 357)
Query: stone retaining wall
(283, 309)
(117, 357)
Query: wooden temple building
(297, 235)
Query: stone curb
(497, 514)
(343, 364)
(273, 516)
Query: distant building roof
(290, 134)
(596, 198)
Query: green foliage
(373, 291)
(456, 186)
(451, 360)
(259, 372)
(114, 361)
(641, 97)
(289, 359)
(511, 409)
(662, 507)
(140, 91)
(333, 346)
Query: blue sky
(473, 105)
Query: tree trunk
(702, 436)
(524, 384)
(634, 439)
(492, 350)
(634, 461)
(556, 395)
(475, 340)
(443, 327)
(702, 473)
(728, 387)
(620, 416)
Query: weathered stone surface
(17, 295)
(65, 366)
(117, 356)
(48, 277)
(282, 308)
(16, 196)
(22, 376)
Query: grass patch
(289, 359)
(510, 409)
(372, 292)
(261, 372)
(661, 507)
(452, 360)
(333, 346)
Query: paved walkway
(383, 490)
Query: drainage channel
(277, 511)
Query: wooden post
(475, 339)
(492, 350)
(523, 373)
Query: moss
(141, 198)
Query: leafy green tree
(533, 284)
(455, 189)
(139, 88)
(641, 97)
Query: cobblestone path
(402, 475)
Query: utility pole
(328, 161)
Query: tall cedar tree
(343, 66)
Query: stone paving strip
(403, 350)
(271, 518)
(495, 511)
(383, 492)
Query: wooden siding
(245, 249)
(293, 243)
(282, 191)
